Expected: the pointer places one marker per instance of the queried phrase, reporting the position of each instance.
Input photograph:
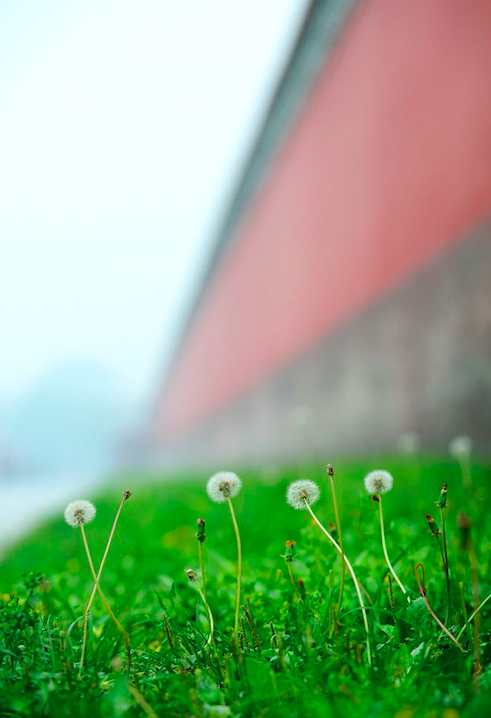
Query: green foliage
(294, 659)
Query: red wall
(387, 166)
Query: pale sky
(123, 126)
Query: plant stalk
(126, 495)
(445, 564)
(473, 614)
(422, 593)
(104, 600)
(330, 473)
(204, 597)
(239, 568)
(352, 574)
(475, 599)
(384, 547)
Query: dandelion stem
(445, 564)
(475, 598)
(104, 600)
(352, 574)
(209, 614)
(239, 568)
(473, 614)
(292, 581)
(330, 473)
(141, 701)
(126, 496)
(211, 637)
(464, 607)
(442, 553)
(466, 473)
(384, 547)
(422, 593)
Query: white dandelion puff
(301, 492)
(378, 482)
(461, 447)
(192, 574)
(222, 486)
(79, 512)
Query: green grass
(299, 671)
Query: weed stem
(422, 593)
(352, 574)
(126, 496)
(204, 597)
(473, 614)
(104, 600)
(384, 547)
(330, 473)
(239, 568)
(147, 709)
(445, 564)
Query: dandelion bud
(289, 548)
(200, 530)
(191, 574)
(332, 528)
(432, 525)
(79, 512)
(126, 494)
(378, 482)
(301, 588)
(442, 499)
(461, 447)
(330, 470)
(464, 523)
(222, 486)
(302, 492)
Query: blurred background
(237, 233)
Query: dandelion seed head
(192, 575)
(409, 443)
(378, 482)
(223, 485)
(79, 512)
(461, 447)
(301, 492)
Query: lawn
(292, 657)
